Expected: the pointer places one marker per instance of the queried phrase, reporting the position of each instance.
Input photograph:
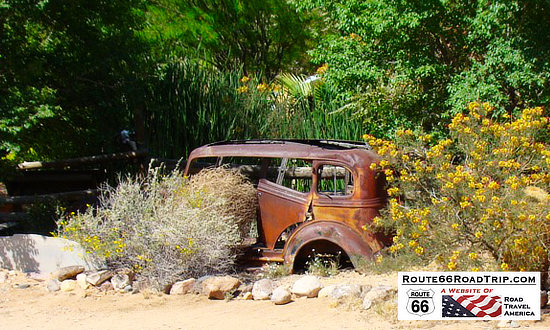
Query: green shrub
(476, 201)
(167, 227)
(323, 265)
(275, 270)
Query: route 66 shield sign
(420, 302)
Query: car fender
(353, 244)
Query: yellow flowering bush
(477, 200)
(167, 226)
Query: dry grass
(232, 187)
(167, 227)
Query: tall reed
(190, 105)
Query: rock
(127, 289)
(308, 286)
(367, 303)
(139, 285)
(197, 288)
(365, 288)
(380, 292)
(244, 288)
(216, 287)
(377, 294)
(52, 285)
(503, 324)
(340, 291)
(507, 324)
(68, 285)
(23, 286)
(127, 271)
(183, 287)
(3, 277)
(120, 282)
(248, 296)
(106, 286)
(67, 272)
(96, 278)
(41, 254)
(81, 281)
(262, 289)
(40, 277)
(280, 296)
(166, 289)
(326, 292)
(543, 298)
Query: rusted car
(314, 196)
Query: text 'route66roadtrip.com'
(469, 295)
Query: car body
(314, 196)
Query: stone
(377, 294)
(326, 292)
(543, 298)
(23, 286)
(340, 291)
(166, 288)
(139, 285)
(308, 286)
(68, 285)
(262, 289)
(365, 288)
(42, 254)
(244, 288)
(281, 296)
(96, 278)
(40, 277)
(106, 286)
(183, 287)
(53, 285)
(120, 282)
(81, 281)
(503, 324)
(380, 292)
(197, 288)
(367, 303)
(67, 272)
(127, 271)
(216, 287)
(127, 289)
(248, 296)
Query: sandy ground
(35, 308)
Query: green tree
(416, 62)
(68, 74)
(264, 36)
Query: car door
(282, 204)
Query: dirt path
(35, 308)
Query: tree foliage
(68, 73)
(264, 36)
(418, 62)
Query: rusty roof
(351, 152)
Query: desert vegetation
(475, 200)
(166, 227)
(452, 95)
